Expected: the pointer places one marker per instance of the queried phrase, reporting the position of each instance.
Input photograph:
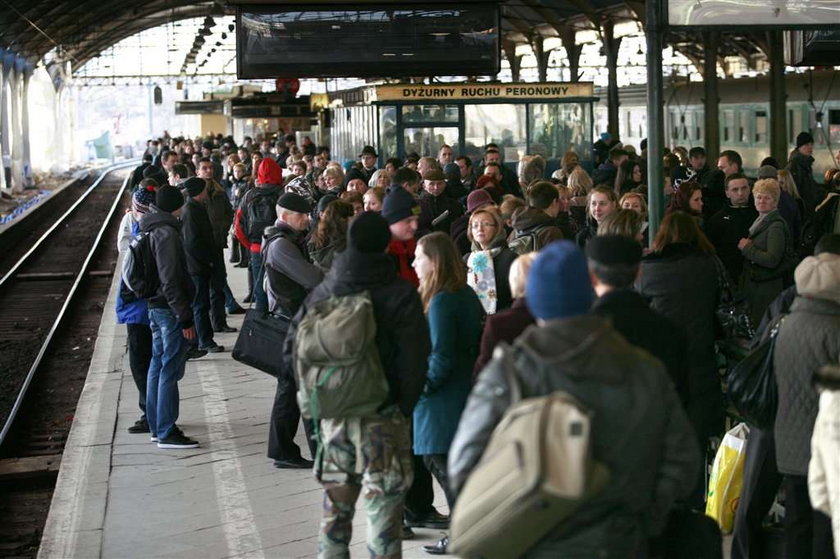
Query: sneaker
(294, 464)
(439, 548)
(177, 440)
(407, 533)
(154, 439)
(225, 329)
(195, 353)
(140, 426)
(212, 349)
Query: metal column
(654, 32)
(24, 125)
(711, 121)
(16, 80)
(778, 98)
(611, 45)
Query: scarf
(481, 276)
(403, 252)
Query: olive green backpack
(337, 365)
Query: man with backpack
(639, 430)
(171, 317)
(255, 213)
(366, 444)
(290, 276)
(533, 226)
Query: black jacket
(643, 327)
(289, 273)
(682, 284)
(725, 229)
(640, 431)
(199, 243)
(402, 334)
(432, 207)
(801, 168)
(176, 289)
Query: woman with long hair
(629, 176)
(488, 263)
(680, 278)
(600, 203)
(688, 198)
(579, 184)
(454, 313)
(330, 237)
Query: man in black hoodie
(199, 246)
(171, 319)
(731, 224)
(381, 441)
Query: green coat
(455, 329)
(770, 240)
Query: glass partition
(503, 124)
(430, 113)
(387, 133)
(426, 141)
(557, 128)
(353, 129)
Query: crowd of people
(480, 276)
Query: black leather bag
(260, 342)
(733, 314)
(752, 383)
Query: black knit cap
(614, 249)
(353, 173)
(804, 138)
(194, 186)
(399, 204)
(294, 202)
(168, 198)
(369, 233)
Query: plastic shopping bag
(727, 477)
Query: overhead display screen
(371, 41)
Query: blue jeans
(165, 370)
(201, 311)
(260, 298)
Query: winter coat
(241, 217)
(681, 283)
(220, 213)
(504, 326)
(801, 169)
(771, 240)
(725, 229)
(824, 468)
(605, 174)
(530, 220)
(130, 309)
(402, 335)
(640, 431)
(455, 330)
(458, 234)
(323, 257)
(289, 275)
(176, 290)
(589, 230)
(808, 338)
(630, 314)
(432, 207)
(199, 244)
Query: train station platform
(118, 495)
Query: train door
(423, 129)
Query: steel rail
(61, 220)
(79, 277)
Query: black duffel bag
(752, 383)
(260, 341)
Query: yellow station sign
(479, 92)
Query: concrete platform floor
(119, 496)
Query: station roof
(80, 30)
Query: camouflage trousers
(371, 456)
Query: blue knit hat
(142, 198)
(398, 205)
(558, 283)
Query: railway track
(51, 302)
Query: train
(813, 104)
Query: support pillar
(4, 134)
(711, 101)
(538, 45)
(17, 134)
(573, 51)
(6, 123)
(24, 126)
(778, 98)
(654, 32)
(611, 45)
(514, 60)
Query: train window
(795, 125)
(744, 127)
(628, 124)
(675, 123)
(387, 133)
(728, 126)
(698, 126)
(761, 127)
(790, 125)
(834, 126)
(430, 113)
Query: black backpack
(525, 242)
(139, 269)
(261, 213)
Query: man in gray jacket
(640, 431)
(171, 317)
